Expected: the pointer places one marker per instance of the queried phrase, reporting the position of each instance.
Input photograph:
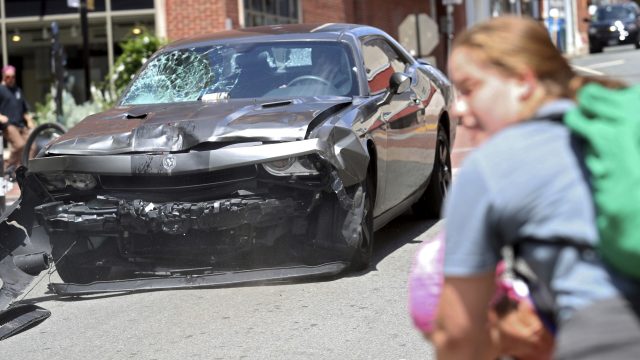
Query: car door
(409, 138)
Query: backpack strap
(540, 290)
(553, 117)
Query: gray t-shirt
(527, 182)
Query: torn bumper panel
(166, 219)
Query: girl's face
(486, 100)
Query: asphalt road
(619, 62)
(357, 316)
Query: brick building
(184, 18)
(26, 32)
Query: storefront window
(28, 40)
(131, 5)
(270, 12)
(16, 8)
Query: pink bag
(425, 282)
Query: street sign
(421, 38)
(451, 2)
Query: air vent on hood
(276, 104)
(136, 116)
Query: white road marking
(606, 64)
(587, 70)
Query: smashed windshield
(235, 71)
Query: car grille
(149, 182)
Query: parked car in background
(256, 154)
(614, 24)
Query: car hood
(179, 127)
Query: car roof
(623, 5)
(327, 31)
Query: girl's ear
(528, 84)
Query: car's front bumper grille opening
(150, 182)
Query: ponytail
(578, 81)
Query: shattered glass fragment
(177, 76)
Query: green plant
(72, 113)
(135, 52)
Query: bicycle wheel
(39, 136)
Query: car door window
(381, 60)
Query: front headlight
(58, 181)
(290, 166)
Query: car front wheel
(430, 203)
(362, 256)
(593, 49)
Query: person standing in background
(15, 120)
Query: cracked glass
(236, 71)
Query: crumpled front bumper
(243, 220)
(111, 215)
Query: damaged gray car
(257, 154)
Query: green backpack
(609, 122)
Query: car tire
(362, 256)
(430, 203)
(75, 266)
(637, 42)
(595, 49)
(38, 131)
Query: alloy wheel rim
(445, 168)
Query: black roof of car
(629, 5)
(327, 31)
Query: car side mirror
(398, 83)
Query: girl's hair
(514, 44)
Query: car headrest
(253, 62)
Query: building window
(17, 8)
(28, 40)
(131, 5)
(270, 12)
(517, 7)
